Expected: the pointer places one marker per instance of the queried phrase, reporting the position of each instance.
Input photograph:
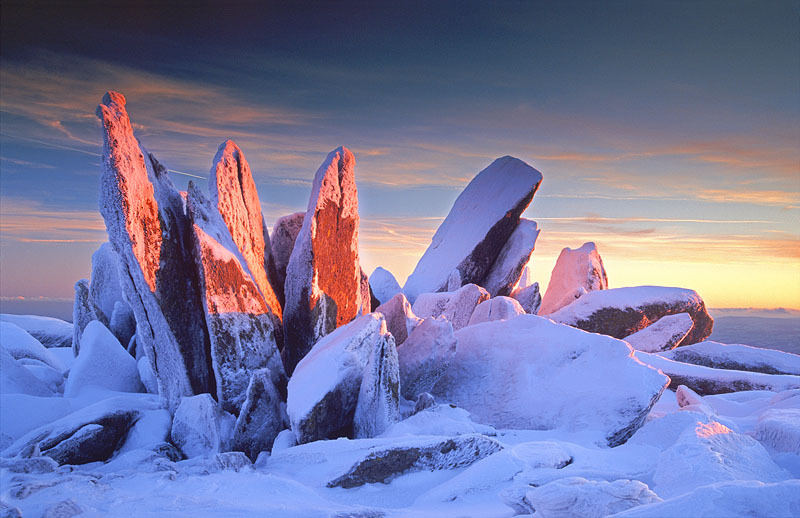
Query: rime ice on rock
(425, 356)
(233, 191)
(456, 306)
(400, 319)
(663, 334)
(323, 279)
(736, 357)
(515, 254)
(383, 284)
(529, 298)
(105, 294)
(83, 312)
(147, 226)
(284, 234)
(200, 427)
(576, 272)
(261, 417)
(379, 397)
(483, 217)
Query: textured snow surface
(497, 308)
(576, 496)
(16, 379)
(200, 427)
(383, 284)
(576, 273)
(663, 334)
(51, 332)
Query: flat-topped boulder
(576, 272)
(663, 334)
(479, 224)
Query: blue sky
(667, 133)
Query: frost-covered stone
(105, 294)
(241, 325)
(737, 357)
(285, 439)
(284, 234)
(233, 191)
(232, 460)
(323, 278)
(400, 319)
(150, 233)
(383, 284)
(576, 496)
(444, 420)
(479, 224)
(200, 427)
(422, 454)
(424, 401)
(16, 379)
(50, 332)
(425, 356)
(324, 389)
(529, 298)
(779, 429)
(122, 322)
(576, 273)
(515, 254)
(36, 465)
(663, 334)
(497, 308)
(146, 375)
(531, 373)
(456, 306)
(21, 345)
(102, 362)
(379, 397)
(83, 312)
(261, 417)
(620, 312)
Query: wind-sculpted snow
(21, 345)
(323, 279)
(576, 272)
(507, 268)
(16, 379)
(479, 224)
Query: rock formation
(529, 298)
(576, 272)
(383, 284)
(515, 254)
(456, 306)
(284, 234)
(498, 308)
(425, 356)
(400, 319)
(663, 334)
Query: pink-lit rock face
(233, 191)
(576, 272)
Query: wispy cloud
(29, 221)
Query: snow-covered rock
(497, 308)
(420, 454)
(102, 362)
(400, 318)
(736, 357)
(261, 418)
(50, 332)
(505, 273)
(531, 373)
(233, 191)
(620, 312)
(479, 224)
(21, 345)
(456, 306)
(324, 389)
(663, 334)
(383, 285)
(379, 397)
(779, 429)
(529, 298)
(149, 230)
(323, 278)
(106, 297)
(16, 379)
(576, 496)
(707, 380)
(284, 234)
(445, 420)
(146, 375)
(83, 312)
(122, 322)
(200, 427)
(241, 325)
(576, 273)
(425, 356)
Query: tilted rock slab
(529, 298)
(482, 219)
(284, 234)
(576, 272)
(323, 279)
(515, 254)
(531, 373)
(147, 226)
(620, 312)
(662, 335)
(736, 357)
(378, 405)
(456, 306)
(400, 319)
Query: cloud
(29, 221)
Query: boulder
(384, 285)
(456, 306)
(323, 278)
(576, 496)
(418, 454)
(83, 312)
(50, 332)
(324, 389)
(531, 373)
(200, 427)
(529, 298)
(663, 334)
(479, 224)
(151, 235)
(147, 375)
(736, 357)
(241, 326)
(497, 308)
(261, 418)
(443, 420)
(425, 356)
(576, 273)
(400, 319)
(16, 379)
(378, 405)
(284, 234)
(21, 345)
(779, 429)
(122, 322)
(620, 312)
(105, 294)
(102, 362)
(507, 269)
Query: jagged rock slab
(529, 298)
(483, 217)
(147, 226)
(102, 362)
(456, 306)
(234, 193)
(50, 332)
(261, 418)
(576, 496)
(378, 405)
(324, 389)
(323, 278)
(422, 454)
(400, 318)
(707, 380)
(241, 325)
(576, 273)
(284, 234)
(507, 268)
(22, 346)
(497, 308)
(16, 379)
(620, 312)
(736, 357)
(531, 373)
(663, 334)
(106, 297)
(425, 356)
(83, 312)
(384, 285)
(200, 427)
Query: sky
(667, 133)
